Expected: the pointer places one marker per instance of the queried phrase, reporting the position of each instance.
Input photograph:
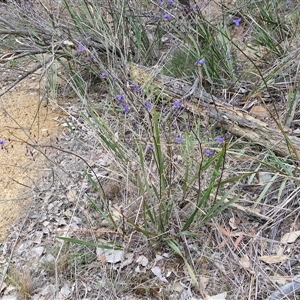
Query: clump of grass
(22, 280)
(180, 64)
(173, 168)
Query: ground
(24, 119)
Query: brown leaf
(71, 195)
(259, 111)
(238, 241)
(290, 237)
(274, 259)
(245, 262)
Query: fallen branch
(233, 119)
(286, 290)
(26, 74)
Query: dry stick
(12, 56)
(16, 31)
(287, 289)
(37, 67)
(237, 121)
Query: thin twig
(27, 53)
(16, 31)
(37, 67)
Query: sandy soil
(24, 120)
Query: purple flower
(220, 139)
(179, 140)
(2, 142)
(237, 21)
(120, 97)
(103, 75)
(196, 8)
(236, 69)
(209, 152)
(148, 104)
(137, 88)
(80, 48)
(125, 107)
(27, 6)
(171, 2)
(149, 148)
(200, 62)
(167, 16)
(177, 104)
(122, 103)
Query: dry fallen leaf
(290, 237)
(259, 111)
(116, 212)
(71, 195)
(204, 282)
(281, 280)
(157, 272)
(238, 241)
(177, 287)
(111, 256)
(64, 291)
(233, 223)
(142, 260)
(221, 296)
(4, 285)
(274, 259)
(245, 262)
(264, 177)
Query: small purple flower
(149, 148)
(80, 48)
(148, 104)
(27, 6)
(103, 75)
(161, 2)
(167, 16)
(196, 7)
(125, 107)
(179, 139)
(2, 142)
(209, 152)
(177, 104)
(120, 97)
(171, 2)
(237, 22)
(200, 62)
(137, 88)
(236, 69)
(220, 139)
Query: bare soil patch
(24, 120)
